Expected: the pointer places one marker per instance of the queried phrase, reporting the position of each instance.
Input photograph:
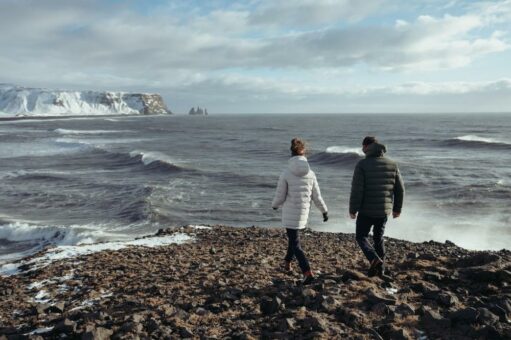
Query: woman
(296, 188)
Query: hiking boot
(308, 278)
(375, 268)
(287, 266)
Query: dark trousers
(364, 224)
(294, 249)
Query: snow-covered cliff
(23, 101)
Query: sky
(268, 56)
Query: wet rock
(66, 326)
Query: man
(377, 190)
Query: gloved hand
(325, 216)
(275, 208)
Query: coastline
(227, 283)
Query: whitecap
(88, 132)
(475, 138)
(344, 150)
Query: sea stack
(198, 111)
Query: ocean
(88, 180)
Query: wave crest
(155, 160)
(337, 155)
(87, 132)
(478, 141)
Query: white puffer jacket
(296, 188)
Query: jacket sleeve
(281, 193)
(357, 190)
(399, 192)
(316, 196)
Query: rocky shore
(228, 283)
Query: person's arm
(317, 199)
(357, 191)
(280, 193)
(399, 194)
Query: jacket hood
(375, 150)
(299, 166)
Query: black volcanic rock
(228, 283)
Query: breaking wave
(337, 155)
(478, 141)
(87, 132)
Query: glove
(275, 208)
(325, 216)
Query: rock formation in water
(198, 111)
(23, 101)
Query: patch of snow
(391, 290)
(64, 252)
(41, 297)
(200, 227)
(22, 101)
(40, 330)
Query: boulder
(269, 305)
(353, 275)
(486, 317)
(447, 299)
(65, 326)
(433, 319)
(405, 309)
(375, 298)
(467, 315)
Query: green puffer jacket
(377, 188)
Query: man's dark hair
(369, 140)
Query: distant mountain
(198, 112)
(23, 101)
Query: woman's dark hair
(369, 140)
(297, 147)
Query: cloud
(312, 12)
(215, 51)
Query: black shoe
(375, 268)
(308, 280)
